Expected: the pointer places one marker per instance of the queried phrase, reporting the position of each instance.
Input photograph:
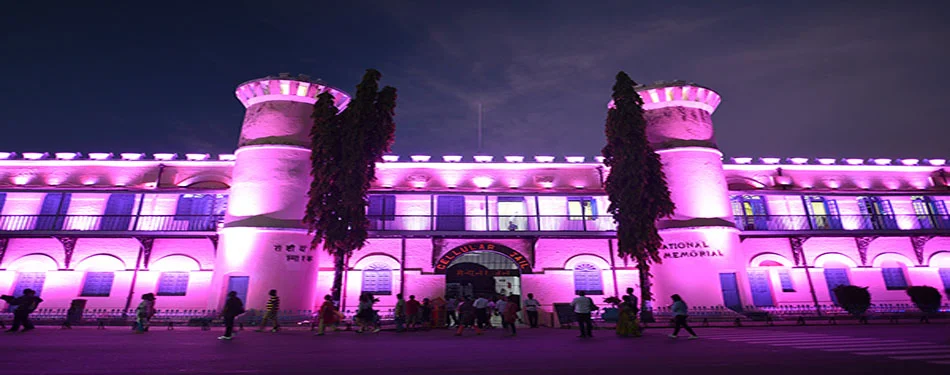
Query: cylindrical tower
(701, 248)
(264, 244)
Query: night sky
(814, 79)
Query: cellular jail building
(748, 235)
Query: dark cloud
(799, 79)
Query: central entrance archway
(482, 273)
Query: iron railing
(112, 223)
(842, 222)
(493, 223)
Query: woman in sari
(627, 324)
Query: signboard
(688, 249)
(565, 313)
(442, 264)
(295, 253)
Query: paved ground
(785, 350)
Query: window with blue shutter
(894, 278)
(450, 213)
(378, 280)
(53, 211)
(581, 208)
(587, 278)
(201, 211)
(28, 280)
(750, 212)
(3, 199)
(97, 284)
(823, 213)
(836, 277)
(173, 284)
(380, 208)
(876, 213)
(785, 277)
(118, 214)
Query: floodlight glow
(132, 156)
(165, 156)
(574, 159)
(67, 155)
(854, 161)
(742, 160)
(34, 155)
(484, 158)
(514, 159)
(770, 160)
(882, 161)
(420, 158)
(799, 161)
(452, 158)
(227, 157)
(197, 157)
(826, 161)
(100, 155)
(544, 159)
(482, 181)
(909, 161)
(390, 158)
(937, 162)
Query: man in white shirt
(481, 312)
(531, 306)
(582, 306)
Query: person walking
(531, 307)
(233, 307)
(583, 306)
(399, 314)
(510, 314)
(25, 305)
(481, 312)
(270, 311)
(413, 312)
(144, 312)
(467, 313)
(327, 316)
(680, 314)
(451, 319)
(365, 315)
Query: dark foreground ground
(921, 349)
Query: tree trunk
(646, 293)
(339, 262)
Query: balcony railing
(493, 223)
(110, 223)
(842, 222)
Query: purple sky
(815, 79)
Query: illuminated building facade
(746, 235)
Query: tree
(345, 147)
(636, 185)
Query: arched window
(587, 278)
(893, 273)
(378, 279)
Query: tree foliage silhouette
(636, 185)
(345, 147)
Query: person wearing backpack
(233, 307)
(25, 305)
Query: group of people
(628, 325)
(461, 312)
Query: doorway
(486, 274)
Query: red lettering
(491, 247)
